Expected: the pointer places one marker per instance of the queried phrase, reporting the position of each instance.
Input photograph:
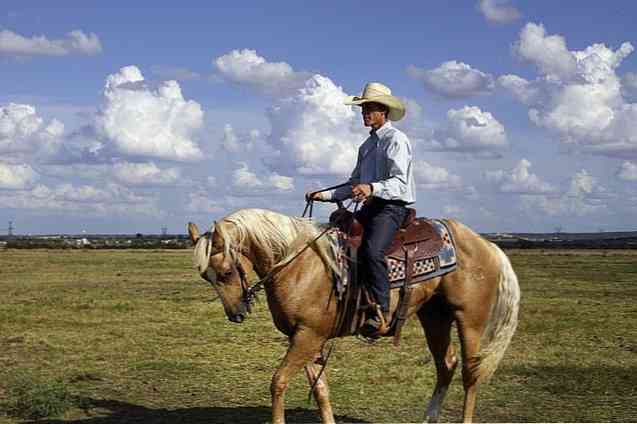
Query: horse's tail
(502, 322)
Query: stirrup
(383, 328)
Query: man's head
(374, 114)
(378, 105)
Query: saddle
(413, 258)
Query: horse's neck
(260, 261)
(263, 261)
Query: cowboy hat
(379, 93)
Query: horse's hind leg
(304, 345)
(436, 319)
(321, 391)
(471, 322)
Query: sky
(114, 118)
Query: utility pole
(164, 231)
(10, 229)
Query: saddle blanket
(423, 268)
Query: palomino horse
(481, 296)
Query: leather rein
(249, 293)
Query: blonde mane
(277, 237)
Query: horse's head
(222, 264)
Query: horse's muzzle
(238, 318)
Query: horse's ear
(193, 232)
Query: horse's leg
(436, 320)
(304, 345)
(471, 322)
(321, 392)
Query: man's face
(373, 115)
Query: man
(383, 180)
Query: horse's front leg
(304, 345)
(321, 391)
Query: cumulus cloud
(75, 42)
(519, 180)
(584, 196)
(431, 177)
(627, 171)
(22, 130)
(498, 11)
(453, 79)
(16, 177)
(246, 181)
(110, 199)
(200, 203)
(578, 94)
(526, 92)
(548, 52)
(313, 132)
(145, 174)
(247, 67)
(139, 121)
(470, 130)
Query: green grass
(132, 336)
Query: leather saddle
(417, 242)
(417, 234)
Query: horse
(296, 267)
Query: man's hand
(310, 195)
(361, 192)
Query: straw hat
(379, 93)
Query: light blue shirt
(384, 161)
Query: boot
(376, 325)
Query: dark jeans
(381, 220)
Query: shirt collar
(382, 130)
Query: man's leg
(380, 229)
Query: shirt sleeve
(345, 192)
(398, 156)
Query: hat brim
(396, 107)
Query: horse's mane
(279, 237)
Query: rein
(250, 293)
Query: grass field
(132, 336)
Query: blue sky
(523, 115)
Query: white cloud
(498, 11)
(519, 180)
(140, 122)
(584, 196)
(200, 203)
(313, 132)
(76, 42)
(110, 199)
(548, 53)
(470, 130)
(16, 177)
(145, 174)
(430, 177)
(22, 130)
(247, 67)
(246, 181)
(578, 95)
(527, 92)
(453, 79)
(627, 171)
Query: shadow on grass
(122, 412)
(567, 393)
